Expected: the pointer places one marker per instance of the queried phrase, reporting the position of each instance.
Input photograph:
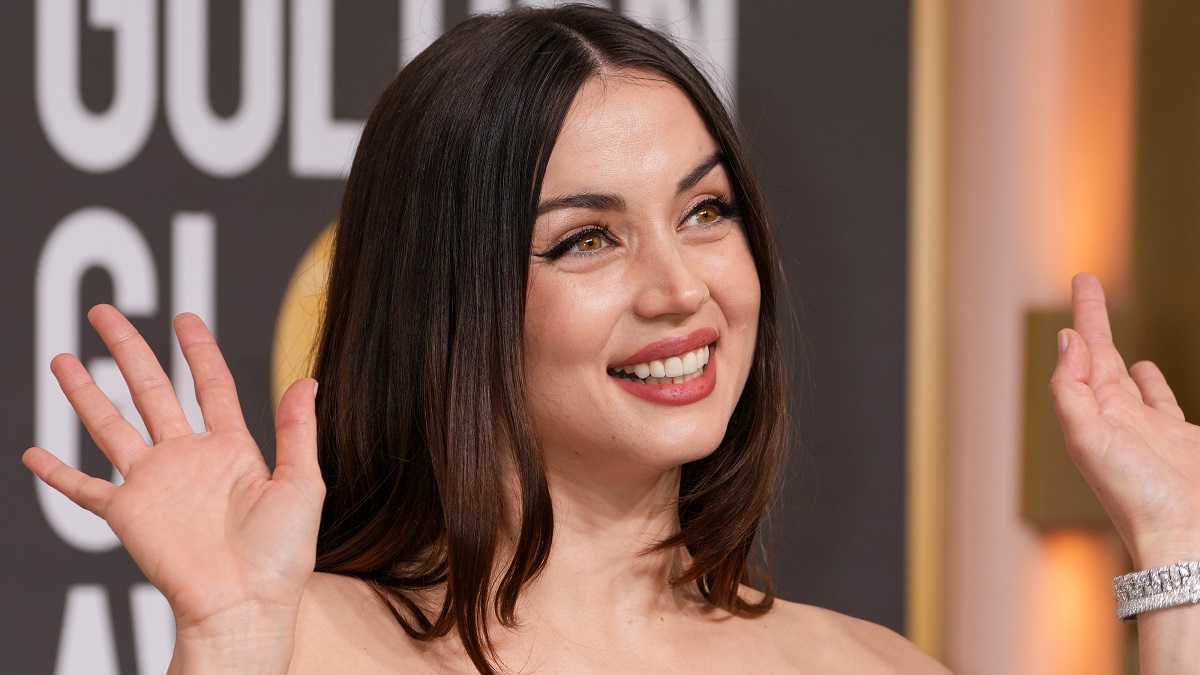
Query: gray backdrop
(136, 169)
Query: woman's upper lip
(672, 346)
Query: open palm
(1128, 436)
(208, 523)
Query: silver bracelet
(1157, 588)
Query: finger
(1155, 391)
(1092, 323)
(148, 385)
(91, 493)
(296, 434)
(1085, 430)
(215, 390)
(113, 434)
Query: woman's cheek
(568, 318)
(733, 280)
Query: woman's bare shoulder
(344, 626)
(821, 640)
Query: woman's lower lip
(675, 394)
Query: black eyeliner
(728, 208)
(560, 249)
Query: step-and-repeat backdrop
(181, 155)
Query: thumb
(296, 432)
(1075, 403)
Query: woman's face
(639, 273)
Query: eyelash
(726, 208)
(561, 248)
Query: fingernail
(1062, 342)
(316, 386)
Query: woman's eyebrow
(586, 200)
(602, 202)
(689, 181)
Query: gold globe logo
(293, 350)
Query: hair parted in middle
(422, 408)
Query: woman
(551, 405)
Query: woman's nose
(668, 284)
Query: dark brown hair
(422, 402)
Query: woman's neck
(602, 573)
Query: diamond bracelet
(1157, 588)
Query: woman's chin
(641, 455)
(670, 451)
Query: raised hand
(229, 543)
(1128, 436)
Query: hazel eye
(712, 211)
(589, 242)
(706, 215)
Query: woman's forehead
(627, 127)
(612, 97)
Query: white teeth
(671, 370)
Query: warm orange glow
(1080, 609)
(1040, 183)
(1097, 140)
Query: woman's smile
(671, 370)
(675, 370)
(688, 387)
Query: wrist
(1156, 588)
(1151, 552)
(236, 641)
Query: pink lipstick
(669, 347)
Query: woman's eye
(706, 214)
(589, 242)
(711, 211)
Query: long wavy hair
(422, 404)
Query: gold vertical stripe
(927, 335)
